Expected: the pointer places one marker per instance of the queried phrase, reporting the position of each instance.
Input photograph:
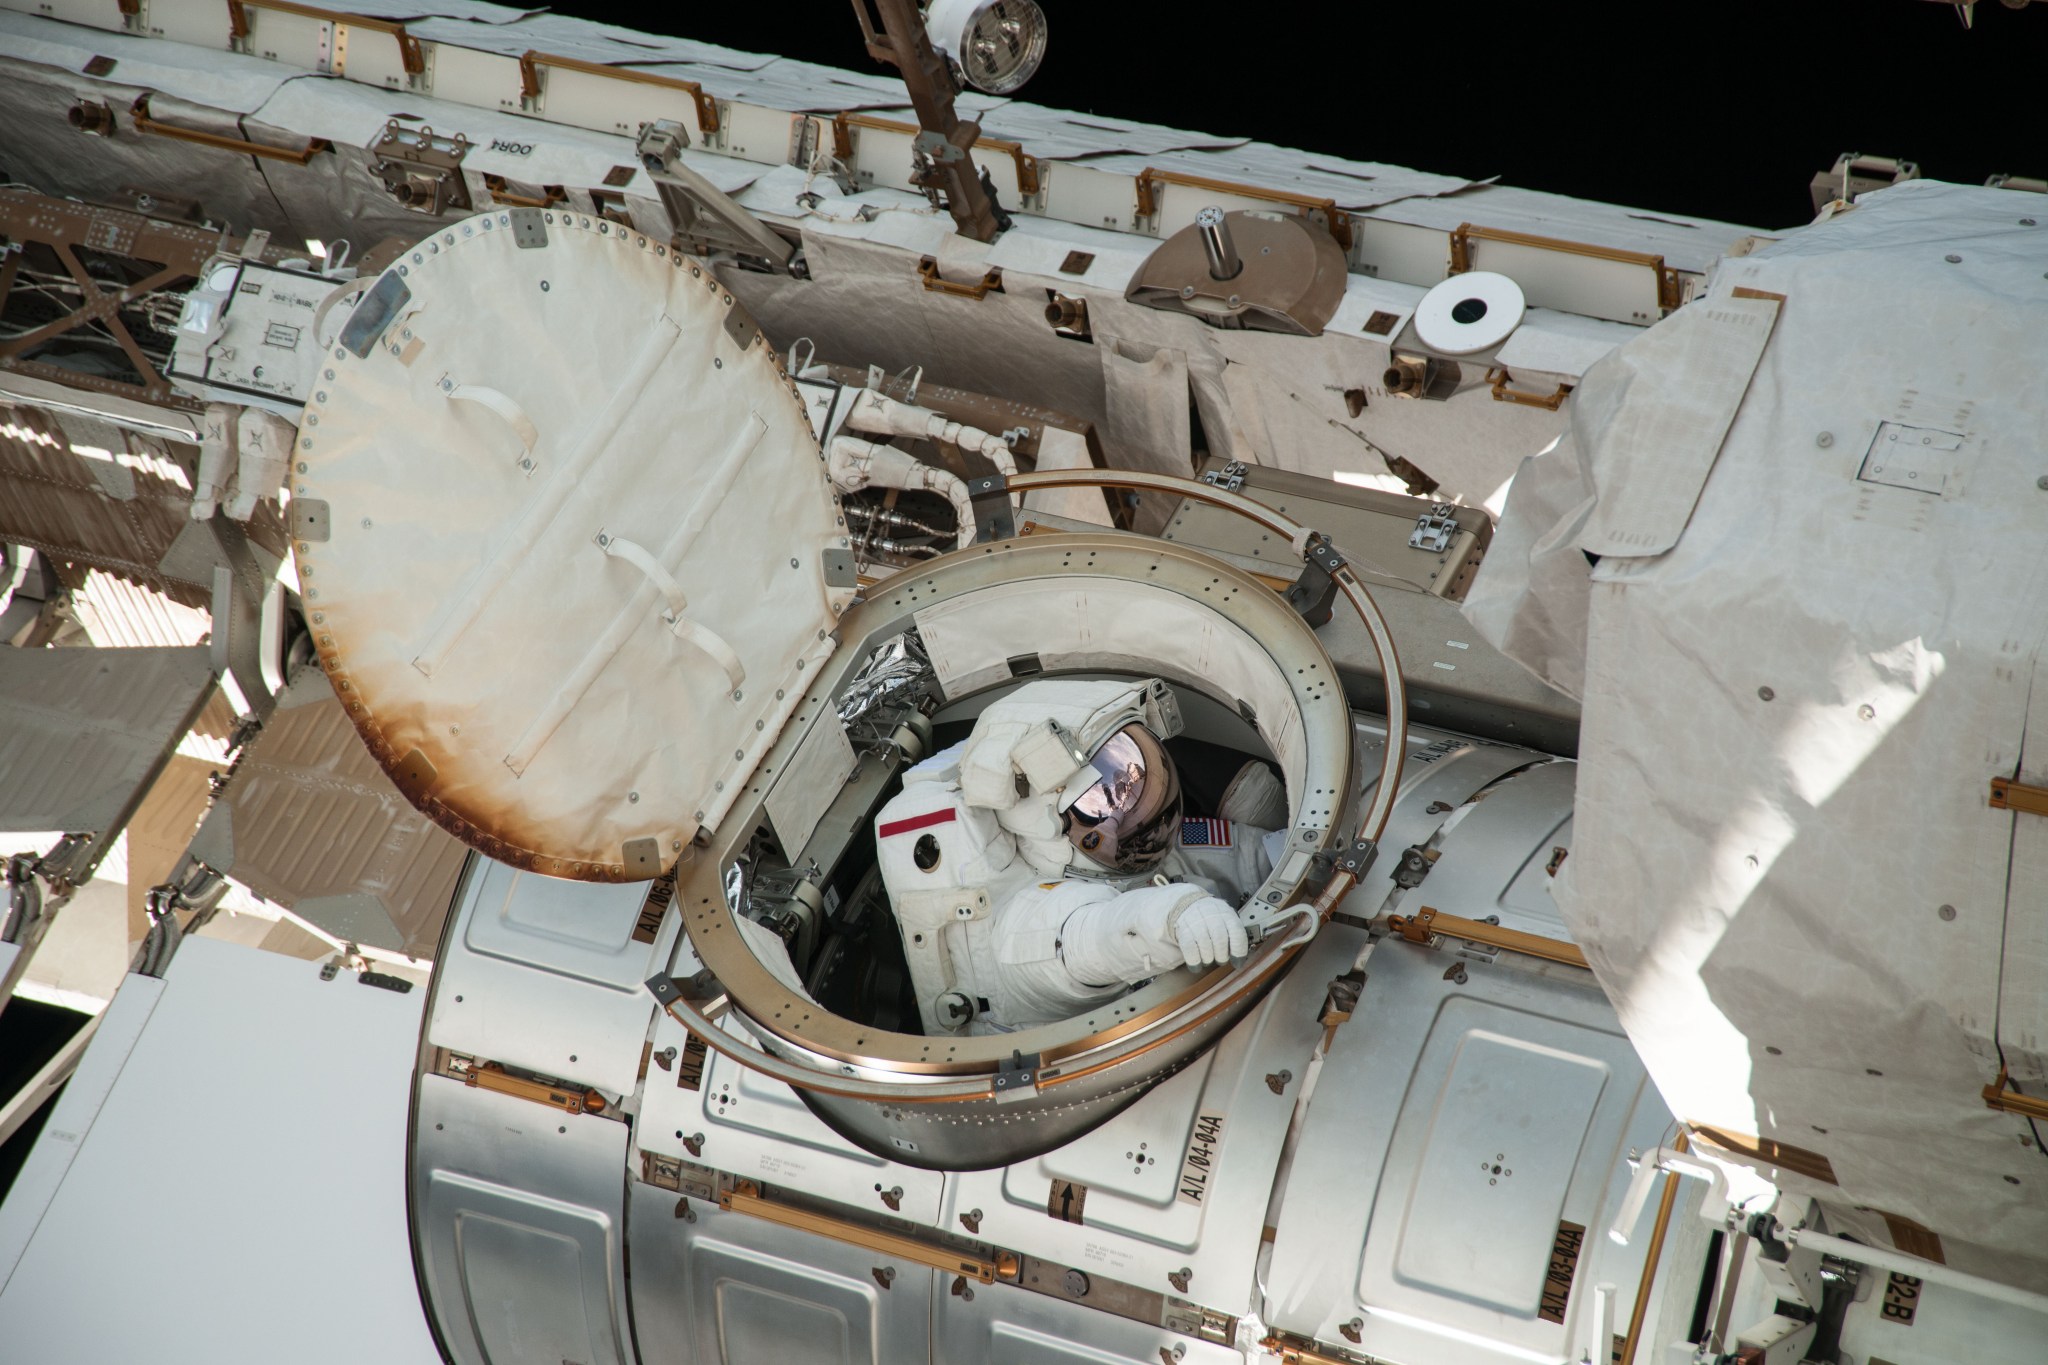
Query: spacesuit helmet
(1127, 817)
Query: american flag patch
(1204, 833)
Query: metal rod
(1651, 1255)
(1933, 1272)
(1431, 921)
(746, 1198)
(1224, 262)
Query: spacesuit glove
(1208, 930)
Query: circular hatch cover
(564, 537)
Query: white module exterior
(1820, 605)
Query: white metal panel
(464, 75)
(1179, 1181)
(1388, 1224)
(1000, 1324)
(375, 57)
(524, 1266)
(256, 1134)
(294, 39)
(752, 131)
(1498, 858)
(545, 974)
(104, 14)
(612, 104)
(714, 1288)
(203, 23)
(744, 1123)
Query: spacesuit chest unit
(944, 862)
(977, 832)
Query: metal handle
(138, 114)
(531, 63)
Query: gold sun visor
(565, 540)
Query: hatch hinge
(1315, 591)
(993, 518)
(1434, 528)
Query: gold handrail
(1468, 233)
(531, 62)
(842, 144)
(138, 114)
(1339, 223)
(1419, 927)
(409, 50)
(746, 1197)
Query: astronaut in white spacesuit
(1040, 868)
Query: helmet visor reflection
(1129, 815)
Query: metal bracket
(1499, 379)
(1340, 1001)
(1230, 478)
(1434, 529)
(2007, 794)
(993, 519)
(1415, 865)
(1315, 591)
(1016, 1076)
(1358, 859)
(703, 217)
(421, 168)
(928, 271)
(2001, 1096)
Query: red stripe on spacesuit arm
(917, 822)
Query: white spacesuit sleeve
(1138, 935)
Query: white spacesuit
(1038, 868)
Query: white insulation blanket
(1818, 500)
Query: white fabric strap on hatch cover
(465, 606)
(512, 414)
(657, 576)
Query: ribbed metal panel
(54, 499)
(318, 828)
(82, 731)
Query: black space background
(1723, 110)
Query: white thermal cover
(561, 528)
(1810, 644)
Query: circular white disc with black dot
(1469, 313)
